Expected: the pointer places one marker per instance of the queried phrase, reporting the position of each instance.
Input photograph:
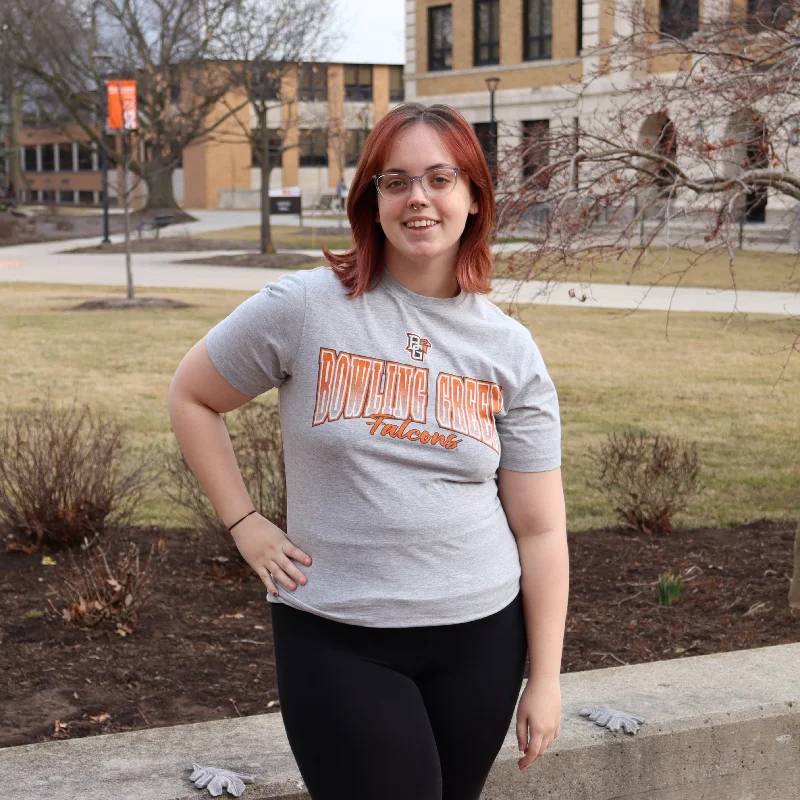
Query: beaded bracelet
(239, 520)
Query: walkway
(44, 263)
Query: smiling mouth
(427, 223)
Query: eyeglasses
(437, 182)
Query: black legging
(397, 713)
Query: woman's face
(415, 151)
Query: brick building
(336, 106)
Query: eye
(441, 178)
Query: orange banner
(122, 106)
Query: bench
(324, 202)
(155, 223)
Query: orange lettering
(324, 374)
(374, 396)
(419, 395)
(340, 381)
(459, 415)
(357, 389)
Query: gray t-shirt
(396, 411)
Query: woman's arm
(534, 506)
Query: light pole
(491, 85)
(104, 59)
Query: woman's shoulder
(320, 281)
(511, 330)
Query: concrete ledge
(721, 726)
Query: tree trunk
(158, 178)
(794, 588)
(266, 168)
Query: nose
(416, 195)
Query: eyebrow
(433, 166)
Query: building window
(538, 27)
(65, 158)
(440, 38)
(483, 130)
(679, 18)
(314, 148)
(66, 196)
(396, 90)
(30, 159)
(48, 159)
(85, 158)
(358, 82)
(487, 32)
(769, 13)
(536, 153)
(48, 196)
(275, 147)
(313, 84)
(579, 19)
(86, 198)
(354, 146)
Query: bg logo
(417, 346)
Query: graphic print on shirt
(393, 396)
(417, 346)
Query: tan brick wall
(64, 181)
(52, 135)
(511, 50)
(543, 74)
(336, 126)
(380, 90)
(290, 162)
(540, 73)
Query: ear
(473, 209)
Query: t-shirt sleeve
(255, 346)
(529, 426)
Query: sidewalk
(43, 263)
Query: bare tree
(269, 44)
(164, 45)
(680, 135)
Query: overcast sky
(374, 31)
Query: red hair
(362, 264)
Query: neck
(435, 278)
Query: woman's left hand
(539, 711)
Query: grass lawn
(755, 270)
(287, 235)
(705, 383)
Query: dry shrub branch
(63, 476)
(647, 478)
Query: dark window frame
(440, 56)
(275, 149)
(62, 148)
(30, 150)
(360, 89)
(396, 95)
(535, 158)
(492, 44)
(312, 83)
(769, 14)
(318, 156)
(48, 158)
(85, 153)
(679, 18)
(538, 45)
(353, 150)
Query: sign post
(122, 118)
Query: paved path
(43, 263)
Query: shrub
(62, 477)
(255, 433)
(648, 479)
(109, 588)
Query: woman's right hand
(266, 548)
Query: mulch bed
(167, 244)
(203, 647)
(258, 260)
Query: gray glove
(612, 719)
(217, 779)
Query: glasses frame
(454, 170)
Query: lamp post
(104, 59)
(491, 85)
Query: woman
(422, 449)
